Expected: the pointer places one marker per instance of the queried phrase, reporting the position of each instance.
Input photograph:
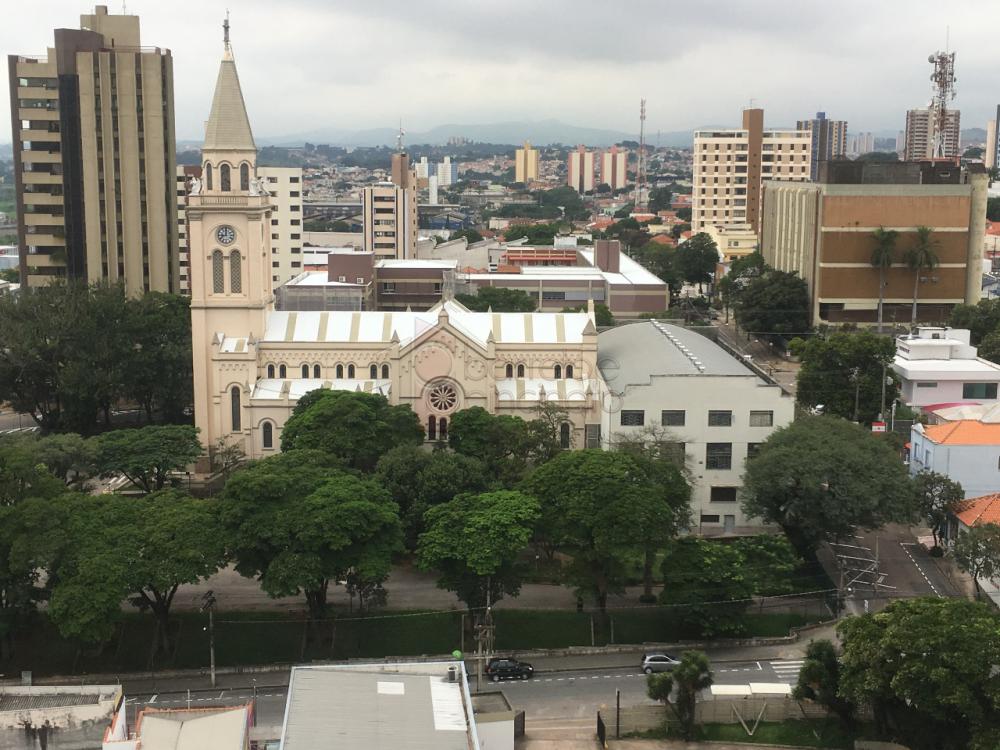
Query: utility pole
(208, 604)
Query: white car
(658, 662)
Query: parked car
(658, 662)
(508, 669)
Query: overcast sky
(356, 64)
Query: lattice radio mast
(943, 79)
(640, 178)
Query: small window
(373, 372)
(359, 280)
(709, 518)
(235, 272)
(244, 177)
(753, 449)
(267, 435)
(633, 418)
(208, 176)
(317, 372)
(385, 372)
(443, 428)
(762, 419)
(340, 372)
(282, 371)
(926, 385)
(350, 372)
(509, 371)
(979, 390)
(224, 178)
(431, 427)
(520, 371)
(270, 371)
(719, 456)
(569, 371)
(234, 396)
(564, 436)
(305, 371)
(218, 273)
(720, 419)
(723, 495)
(672, 417)
(557, 372)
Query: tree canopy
(498, 299)
(773, 303)
(696, 259)
(817, 494)
(843, 371)
(977, 552)
(936, 494)
(147, 455)
(982, 318)
(355, 428)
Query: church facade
(252, 363)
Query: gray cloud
(310, 64)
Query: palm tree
(921, 257)
(882, 257)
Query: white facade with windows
(940, 366)
(676, 387)
(966, 451)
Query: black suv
(508, 669)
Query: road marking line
(759, 667)
(221, 693)
(153, 699)
(919, 569)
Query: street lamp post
(208, 603)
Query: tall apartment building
(829, 140)
(93, 130)
(860, 143)
(991, 155)
(422, 168)
(731, 165)
(580, 170)
(613, 168)
(823, 231)
(285, 187)
(389, 210)
(526, 164)
(920, 136)
(447, 173)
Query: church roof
(228, 127)
(381, 327)
(275, 389)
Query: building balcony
(41, 178)
(37, 113)
(37, 92)
(41, 157)
(39, 136)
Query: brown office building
(93, 131)
(823, 231)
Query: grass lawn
(824, 733)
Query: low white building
(940, 366)
(967, 451)
(680, 388)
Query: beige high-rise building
(389, 210)
(919, 138)
(829, 140)
(284, 184)
(526, 164)
(580, 170)
(731, 165)
(614, 168)
(93, 131)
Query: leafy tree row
(69, 354)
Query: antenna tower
(640, 179)
(943, 79)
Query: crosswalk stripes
(787, 670)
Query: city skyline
(327, 66)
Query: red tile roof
(964, 432)
(978, 510)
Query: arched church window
(270, 371)
(557, 372)
(340, 372)
(305, 371)
(385, 372)
(282, 372)
(443, 428)
(244, 177)
(224, 183)
(218, 273)
(431, 427)
(569, 371)
(350, 372)
(234, 396)
(520, 371)
(235, 272)
(317, 372)
(208, 176)
(564, 435)
(267, 435)
(509, 372)
(373, 372)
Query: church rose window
(443, 397)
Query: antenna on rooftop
(640, 177)
(225, 31)
(943, 79)
(399, 137)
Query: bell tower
(229, 244)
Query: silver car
(658, 662)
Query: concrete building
(614, 172)
(731, 165)
(991, 154)
(422, 168)
(829, 140)
(733, 240)
(676, 387)
(447, 173)
(526, 164)
(919, 138)
(402, 705)
(390, 220)
(823, 231)
(183, 729)
(57, 716)
(580, 170)
(93, 132)
(939, 366)
(966, 451)
(860, 143)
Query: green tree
(707, 584)
(159, 328)
(597, 507)
(503, 443)
(678, 229)
(937, 494)
(498, 299)
(878, 156)
(817, 494)
(146, 456)
(922, 256)
(144, 549)
(696, 259)
(993, 208)
(843, 371)
(11, 275)
(602, 314)
(819, 681)
(977, 552)
(354, 427)
(684, 213)
(774, 303)
(470, 235)
(741, 271)
(769, 561)
(927, 669)
(295, 522)
(981, 319)
(659, 199)
(419, 480)
(690, 677)
(989, 347)
(883, 256)
(473, 542)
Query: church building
(252, 363)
